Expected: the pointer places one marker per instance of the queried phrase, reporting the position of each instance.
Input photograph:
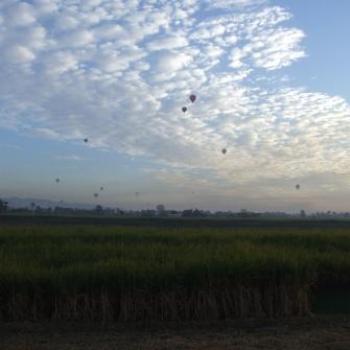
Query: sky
(270, 78)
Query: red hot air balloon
(184, 109)
(193, 98)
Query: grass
(128, 273)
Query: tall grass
(100, 273)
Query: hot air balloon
(193, 98)
(58, 180)
(224, 151)
(86, 140)
(95, 195)
(137, 194)
(184, 109)
(297, 187)
(101, 188)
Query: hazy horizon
(270, 77)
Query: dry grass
(132, 274)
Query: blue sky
(326, 25)
(270, 79)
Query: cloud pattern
(119, 72)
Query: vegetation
(139, 273)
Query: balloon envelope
(184, 109)
(193, 98)
(224, 150)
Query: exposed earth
(321, 333)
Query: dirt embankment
(330, 333)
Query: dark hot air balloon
(58, 180)
(193, 98)
(86, 140)
(297, 187)
(95, 195)
(101, 188)
(184, 109)
(224, 151)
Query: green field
(111, 273)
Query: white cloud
(170, 62)
(19, 54)
(45, 7)
(20, 14)
(167, 43)
(60, 62)
(65, 22)
(78, 38)
(235, 3)
(70, 157)
(119, 72)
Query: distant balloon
(101, 188)
(137, 194)
(86, 140)
(95, 195)
(193, 98)
(297, 187)
(224, 151)
(58, 180)
(184, 109)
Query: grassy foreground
(129, 274)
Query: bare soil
(321, 333)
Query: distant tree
(148, 213)
(196, 213)
(187, 213)
(3, 206)
(38, 209)
(243, 213)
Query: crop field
(104, 274)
